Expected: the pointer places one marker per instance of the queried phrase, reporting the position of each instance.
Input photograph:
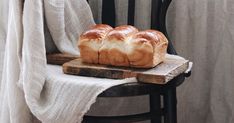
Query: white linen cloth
(28, 84)
(72, 94)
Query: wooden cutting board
(161, 74)
(59, 58)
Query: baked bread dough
(147, 49)
(114, 49)
(123, 46)
(91, 41)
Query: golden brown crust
(149, 36)
(147, 49)
(142, 53)
(114, 46)
(120, 33)
(88, 55)
(123, 46)
(97, 32)
(162, 38)
(91, 41)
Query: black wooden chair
(158, 113)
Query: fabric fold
(66, 20)
(30, 87)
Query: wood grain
(60, 58)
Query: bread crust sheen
(148, 49)
(91, 41)
(113, 51)
(123, 46)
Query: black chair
(158, 113)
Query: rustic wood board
(161, 74)
(60, 58)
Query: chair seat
(138, 89)
(118, 119)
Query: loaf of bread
(122, 46)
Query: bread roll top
(121, 33)
(161, 38)
(140, 43)
(96, 32)
(153, 36)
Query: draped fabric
(203, 32)
(3, 30)
(29, 88)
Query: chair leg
(155, 108)
(170, 106)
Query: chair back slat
(108, 12)
(155, 14)
(164, 6)
(131, 12)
